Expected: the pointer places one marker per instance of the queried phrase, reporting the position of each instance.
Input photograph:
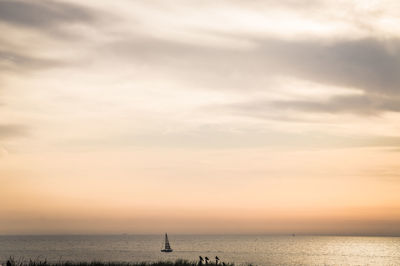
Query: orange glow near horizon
(335, 197)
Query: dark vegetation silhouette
(12, 262)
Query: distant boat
(167, 247)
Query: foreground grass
(13, 262)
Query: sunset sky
(200, 117)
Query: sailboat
(167, 247)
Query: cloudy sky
(200, 116)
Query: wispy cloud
(32, 28)
(366, 64)
(12, 131)
(367, 104)
(42, 14)
(19, 62)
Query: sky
(195, 117)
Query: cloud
(371, 66)
(368, 64)
(15, 61)
(12, 131)
(42, 14)
(220, 137)
(23, 46)
(357, 104)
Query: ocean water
(240, 249)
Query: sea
(239, 249)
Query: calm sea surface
(260, 250)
